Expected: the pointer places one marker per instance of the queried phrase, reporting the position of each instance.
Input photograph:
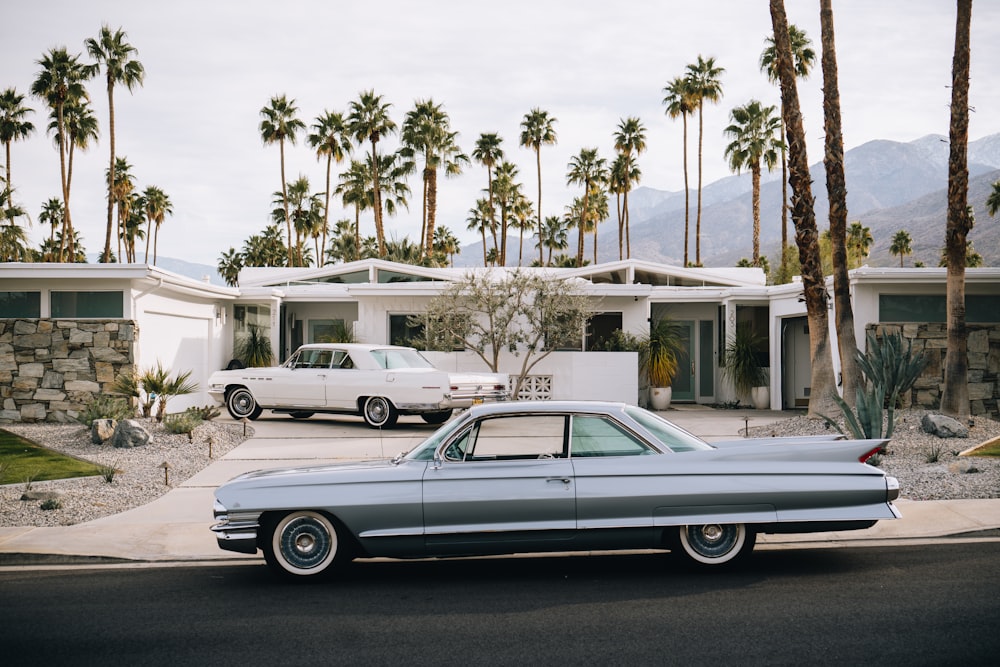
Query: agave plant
(254, 349)
(658, 352)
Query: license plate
(477, 400)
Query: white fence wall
(590, 376)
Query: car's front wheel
(303, 543)
(379, 412)
(241, 404)
(436, 417)
(716, 543)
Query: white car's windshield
(674, 437)
(390, 358)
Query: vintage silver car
(378, 382)
(555, 476)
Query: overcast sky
(192, 129)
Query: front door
(683, 384)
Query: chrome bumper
(464, 399)
(238, 533)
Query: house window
(601, 328)
(87, 304)
(979, 308)
(248, 316)
(404, 331)
(327, 331)
(21, 304)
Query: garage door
(180, 344)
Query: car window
(673, 437)
(518, 437)
(342, 360)
(600, 436)
(389, 359)
(311, 359)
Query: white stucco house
(66, 330)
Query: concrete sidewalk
(175, 527)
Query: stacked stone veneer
(51, 369)
(984, 364)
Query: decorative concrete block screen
(984, 364)
(50, 369)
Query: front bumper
(235, 531)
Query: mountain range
(891, 186)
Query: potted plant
(658, 353)
(744, 368)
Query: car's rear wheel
(379, 412)
(436, 417)
(716, 543)
(303, 543)
(299, 414)
(241, 404)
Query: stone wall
(984, 364)
(50, 369)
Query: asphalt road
(913, 605)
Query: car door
(300, 382)
(504, 481)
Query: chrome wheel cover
(305, 543)
(241, 403)
(713, 543)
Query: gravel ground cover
(928, 467)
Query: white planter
(761, 398)
(659, 397)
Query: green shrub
(205, 413)
(105, 407)
(50, 504)
(182, 422)
(108, 472)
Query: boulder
(102, 430)
(943, 427)
(32, 494)
(130, 433)
(964, 467)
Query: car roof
(351, 347)
(542, 407)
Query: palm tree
(368, 120)
(352, 190)
(123, 188)
(479, 221)
(680, 101)
(446, 243)
(61, 80)
(280, 124)
(755, 133)
(803, 58)
(116, 54)
(13, 127)
(488, 153)
(955, 394)
(703, 82)
(993, 200)
(522, 217)
(630, 138)
(537, 129)
(901, 245)
(427, 131)
(823, 383)
(836, 186)
(81, 127)
(230, 265)
(616, 185)
(156, 206)
(331, 140)
(555, 236)
(589, 170)
(858, 241)
(132, 225)
(52, 214)
(506, 192)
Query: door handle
(561, 480)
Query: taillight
(864, 457)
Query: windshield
(425, 450)
(390, 358)
(671, 435)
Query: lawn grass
(22, 460)
(990, 448)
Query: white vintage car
(378, 382)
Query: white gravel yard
(139, 479)
(910, 453)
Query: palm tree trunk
(66, 226)
(836, 187)
(955, 394)
(822, 383)
(493, 217)
(156, 239)
(687, 191)
(621, 226)
(379, 230)
(284, 201)
(538, 167)
(431, 176)
(149, 232)
(697, 227)
(321, 260)
(755, 204)
(111, 171)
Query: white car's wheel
(715, 543)
(379, 412)
(241, 404)
(302, 544)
